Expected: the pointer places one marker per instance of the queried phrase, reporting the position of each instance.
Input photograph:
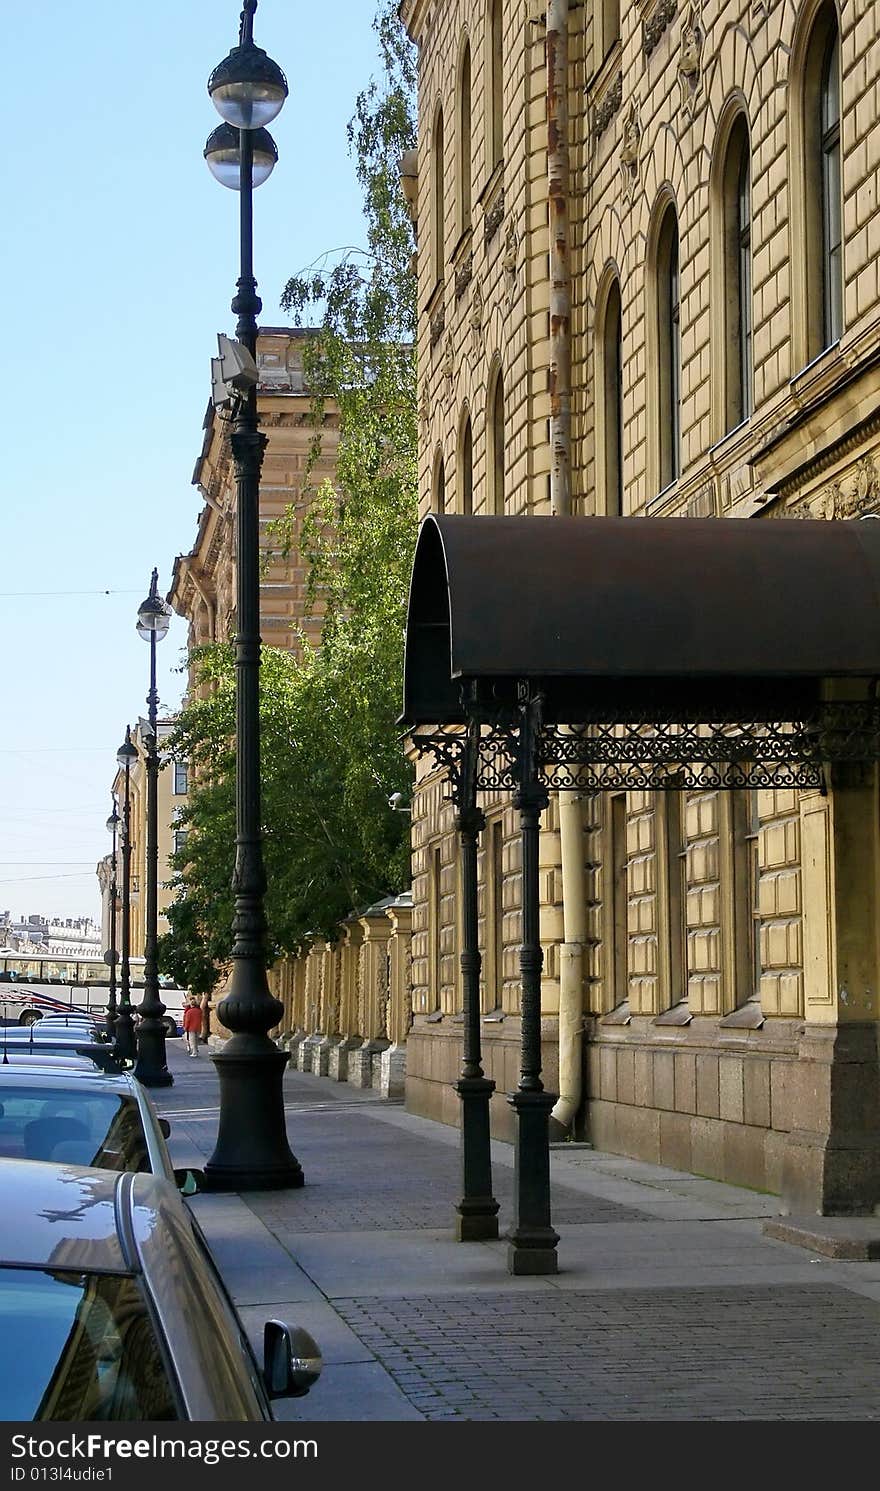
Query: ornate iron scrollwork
(651, 752)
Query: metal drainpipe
(571, 818)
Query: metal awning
(602, 612)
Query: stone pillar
(297, 1015)
(314, 970)
(328, 1018)
(363, 1062)
(349, 972)
(832, 1158)
(392, 1071)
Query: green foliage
(330, 752)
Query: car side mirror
(291, 1360)
(165, 1127)
(189, 1182)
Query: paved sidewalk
(670, 1302)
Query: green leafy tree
(330, 749)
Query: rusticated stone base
(392, 1071)
(305, 1056)
(322, 1053)
(337, 1066)
(360, 1063)
(832, 1157)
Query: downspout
(570, 804)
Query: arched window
(816, 220)
(466, 467)
(439, 502)
(495, 93)
(496, 447)
(464, 141)
(735, 321)
(439, 222)
(668, 339)
(609, 406)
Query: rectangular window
(181, 779)
(494, 888)
(617, 859)
(676, 897)
(435, 909)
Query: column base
(337, 1068)
(533, 1241)
(392, 1070)
(831, 1165)
(476, 1217)
(360, 1062)
(530, 1259)
(252, 1152)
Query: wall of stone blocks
(646, 125)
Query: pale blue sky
(118, 260)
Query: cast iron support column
(124, 1023)
(533, 1241)
(151, 1066)
(477, 1211)
(252, 1152)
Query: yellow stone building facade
(648, 258)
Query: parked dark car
(102, 1054)
(113, 1311)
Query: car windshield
(72, 1127)
(79, 1347)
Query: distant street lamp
(126, 754)
(113, 823)
(248, 89)
(153, 620)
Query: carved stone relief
(629, 151)
(608, 105)
(655, 23)
(689, 61)
(509, 264)
(476, 317)
(853, 495)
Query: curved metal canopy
(600, 611)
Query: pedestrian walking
(192, 1024)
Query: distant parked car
(113, 1311)
(81, 1117)
(18, 1039)
(16, 1057)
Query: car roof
(65, 1216)
(68, 1061)
(59, 1216)
(64, 1080)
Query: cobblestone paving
(783, 1353)
(364, 1182)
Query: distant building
(172, 796)
(203, 584)
(53, 936)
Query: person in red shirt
(192, 1025)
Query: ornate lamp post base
(150, 1068)
(252, 1152)
(533, 1241)
(477, 1212)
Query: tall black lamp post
(126, 756)
(113, 823)
(252, 1152)
(153, 620)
